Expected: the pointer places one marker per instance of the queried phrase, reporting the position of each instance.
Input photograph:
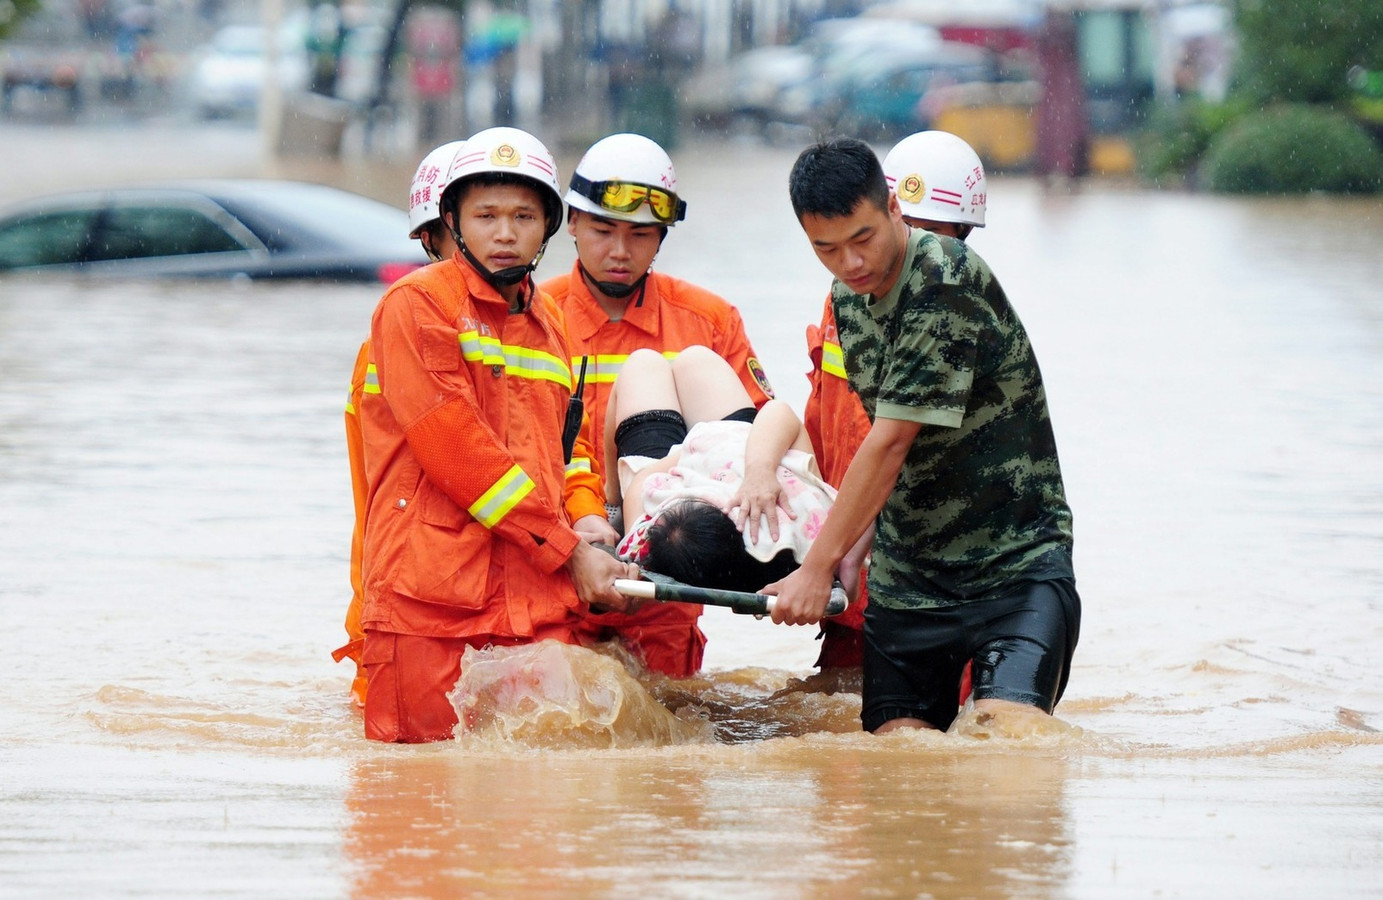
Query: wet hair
(696, 543)
(830, 179)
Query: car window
(136, 232)
(45, 239)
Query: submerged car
(215, 229)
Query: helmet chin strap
(615, 290)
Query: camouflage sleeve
(929, 370)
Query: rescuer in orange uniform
(426, 226)
(468, 536)
(621, 201)
(940, 184)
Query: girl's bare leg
(707, 388)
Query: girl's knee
(645, 358)
(696, 356)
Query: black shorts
(1020, 644)
(654, 432)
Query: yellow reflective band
(578, 465)
(502, 496)
(371, 385)
(833, 360)
(524, 362)
(521, 362)
(484, 349)
(608, 366)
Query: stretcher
(664, 589)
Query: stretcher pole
(742, 602)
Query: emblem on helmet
(912, 188)
(505, 155)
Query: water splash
(551, 695)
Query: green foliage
(1302, 50)
(12, 12)
(1294, 149)
(1178, 134)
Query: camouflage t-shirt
(979, 503)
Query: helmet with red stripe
(937, 176)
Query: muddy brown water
(174, 539)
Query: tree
(12, 12)
(1302, 50)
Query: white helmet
(511, 151)
(937, 176)
(428, 183)
(630, 178)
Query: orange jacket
(836, 422)
(355, 455)
(582, 480)
(468, 497)
(673, 316)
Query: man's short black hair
(831, 177)
(696, 543)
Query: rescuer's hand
(596, 529)
(593, 572)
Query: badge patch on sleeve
(760, 377)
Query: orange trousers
(409, 677)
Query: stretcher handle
(665, 589)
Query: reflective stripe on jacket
(836, 422)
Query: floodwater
(174, 527)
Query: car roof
(283, 214)
(317, 210)
(302, 225)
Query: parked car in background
(836, 47)
(228, 75)
(891, 93)
(210, 229)
(745, 89)
(43, 65)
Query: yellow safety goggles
(627, 196)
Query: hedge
(1293, 149)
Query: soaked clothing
(837, 424)
(710, 467)
(469, 498)
(355, 455)
(417, 675)
(979, 503)
(1020, 645)
(978, 516)
(670, 316)
(654, 433)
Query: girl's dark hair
(831, 178)
(696, 543)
